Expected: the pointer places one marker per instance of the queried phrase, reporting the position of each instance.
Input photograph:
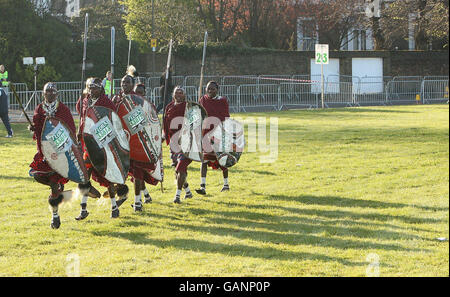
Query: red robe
(138, 170)
(39, 165)
(171, 112)
(217, 107)
(82, 106)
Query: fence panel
(194, 80)
(33, 99)
(274, 79)
(371, 91)
(435, 91)
(259, 96)
(298, 95)
(407, 78)
(231, 92)
(69, 98)
(21, 87)
(155, 97)
(238, 80)
(398, 91)
(191, 93)
(251, 91)
(153, 82)
(69, 85)
(21, 90)
(436, 77)
(178, 80)
(339, 93)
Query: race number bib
(135, 120)
(193, 117)
(60, 139)
(103, 132)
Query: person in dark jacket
(4, 112)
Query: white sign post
(321, 58)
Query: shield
(107, 144)
(191, 132)
(228, 142)
(62, 152)
(140, 120)
(158, 173)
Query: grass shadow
(239, 250)
(345, 202)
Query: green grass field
(353, 190)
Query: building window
(355, 40)
(307, 34)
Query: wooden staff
(169, 57)
(205, 42)
(83, 69)
(129, 50)
(113, 40)
(20, 104)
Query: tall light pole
(153, 31)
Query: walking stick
(113, 40)
(205, 41)
(20, 104)
(83, 68)
(169, 57)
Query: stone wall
(404, 63)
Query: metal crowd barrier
(435, 91)
(372, 91)
(231, 92)
(194, 80)
(236, 80)
(276, 92)
(403, 92)
(298, 95)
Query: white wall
(331, 69)
(370, 70)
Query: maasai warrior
(139, 171)
(96, 97)
(140, 90)
(217, 107)
(40, 169)
(173, 121)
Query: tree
(257, 23)
(173, 19)
(25, 33)
(333, 19)
(430, 21)
(103, 14)
(223, 18)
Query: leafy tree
(25, 33)
(333, 19)
(173, 19)
(223, 18)
(431, 22)
(103, 14)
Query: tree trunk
(378, 38)
(420, 36)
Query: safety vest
(4, 76)
(108, 88)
